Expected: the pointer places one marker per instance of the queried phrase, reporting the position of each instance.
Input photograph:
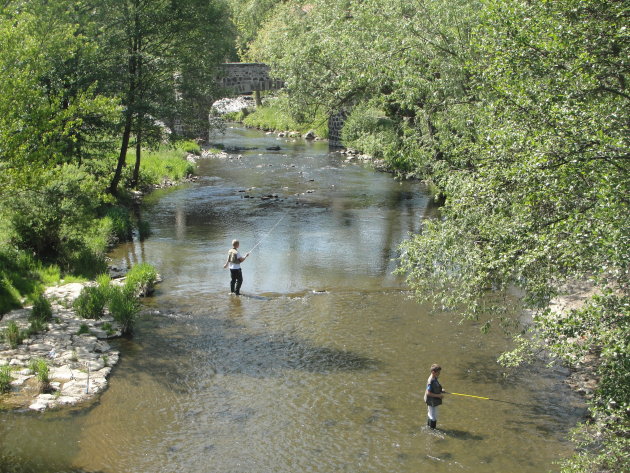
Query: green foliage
(249, 16)
(46, 115)
(13, 335)
(91, 302)
(140, 279)
(18, 277)
(83, 329)
(41, 370)
(9, 295)
(188, 146)
(5, 379)
(49, 220)
(275, 114)
(368, 129)
(120, 223)
(163, 163)
(124, 307)
(42, 310)
(109, 330)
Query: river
(319, 366)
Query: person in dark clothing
(433, 395)
(234, 261)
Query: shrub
(109, 330)
(17, 277)
(9, 295)
(124, 307)
(12, 334)
(83, 328)
(121, 223)
(368, 130)
(37, 326)
(166, 162)
(42, 310)
(140, 279)
(276, 114)
(5, 379)
(41, 370)
(103, 282)
(50, 221)
(91, 302)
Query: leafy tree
(45, 120)
(160, 57)
(407, 59)
(249, 16)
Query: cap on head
(436, 367)
(234, 242)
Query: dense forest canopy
(516, 111)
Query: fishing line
(470, 395)
(486, 398)
(268, 233)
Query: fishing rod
(485, 398)
(268, 233)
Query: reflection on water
(319, 367)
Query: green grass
(5, 379)
(165, 162)
(13, 335)
(273, 115)
(140, 278)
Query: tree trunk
(136, 168)
(113, 187)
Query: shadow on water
(221, 346)
(14, 464)
(461, 434)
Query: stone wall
(335, 124)
(245, 78)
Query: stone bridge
(247, 77)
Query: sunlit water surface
(319, 367)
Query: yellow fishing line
(470, 395)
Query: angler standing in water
(433, 395)
(234, 261)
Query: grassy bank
(274, 115)
(62, 229)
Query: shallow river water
(319, 367)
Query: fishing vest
(436, 388)
(232, 256)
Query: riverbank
(76, 350)
(271, 121)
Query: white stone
(40, 347)
(38, 406)
(67, 400)
(62, 373)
